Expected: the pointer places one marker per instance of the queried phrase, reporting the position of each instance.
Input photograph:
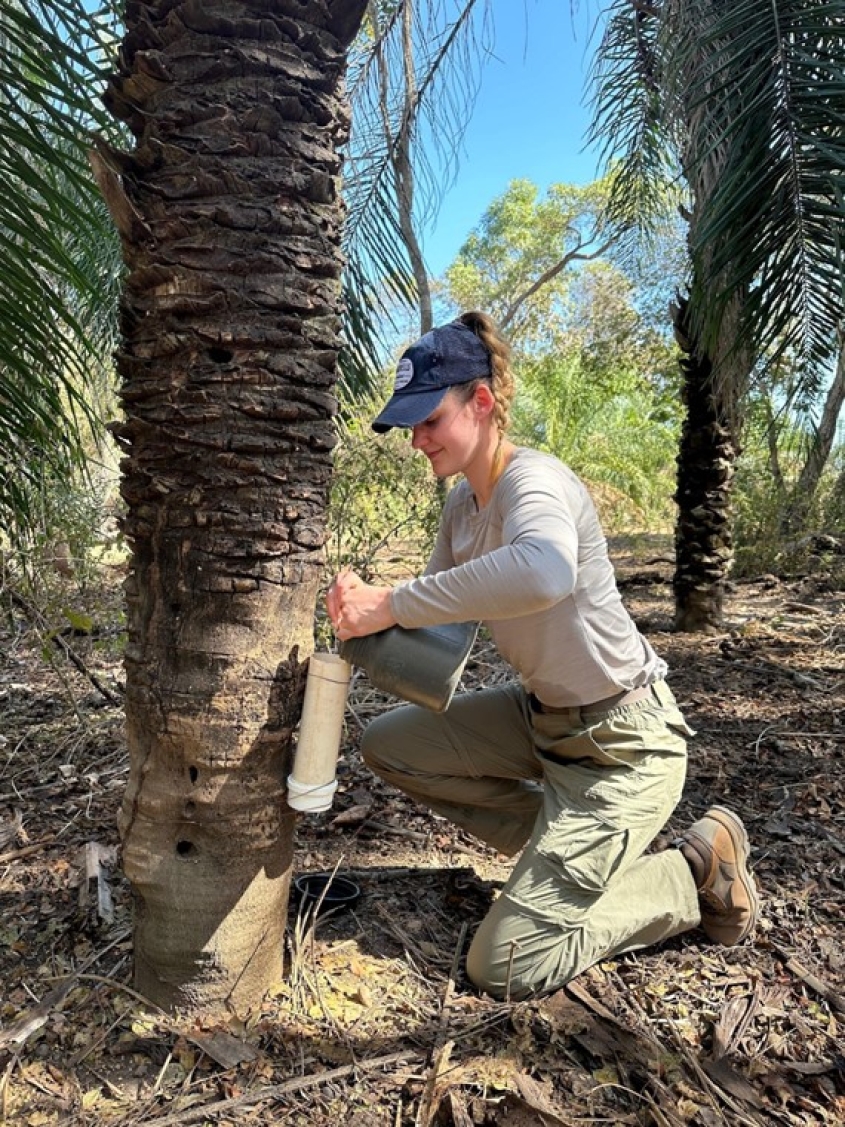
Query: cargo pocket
(587, 853)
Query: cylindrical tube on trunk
(312, 783)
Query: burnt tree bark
(706, 461)
(230, 214)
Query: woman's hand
(357, 608)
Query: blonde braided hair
(501, 383)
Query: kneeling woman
(578, 765)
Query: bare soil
(376, 1024)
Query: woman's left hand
(357, 608)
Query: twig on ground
(716, 1091)
(396, 831)
(4, 1086)
(442, 1049)
(279, 1091)
(20, 1030)
(831, 996)
(37, 619)
(25, 851)
(404, 871)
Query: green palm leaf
(59, 257)
(747, 98)
(450, 38)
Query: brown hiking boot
(716, 849)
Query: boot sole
(739, 837)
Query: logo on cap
(404, 374)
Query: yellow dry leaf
(187, 1057)
(362, 966)
(91, 1098)
(496, 1071)
(363, 995)
(39, 1119)
(606, 1075)
(688, 1110)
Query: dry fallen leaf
(353, 816)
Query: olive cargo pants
(587, 791)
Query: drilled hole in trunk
(193, 774)
(220, 355)
(185, 848)
(190, 809)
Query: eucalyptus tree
(740, 105)
(595, 365)
(519, 260)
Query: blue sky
(529, 118)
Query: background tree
(742, 100)
(822, 439)
(597, 370)
(513, 264)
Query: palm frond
(59, 257)
(628, 123)
(450, 40)
(769, 81)
(747, 99)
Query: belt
(617, 701)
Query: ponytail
(502, 383)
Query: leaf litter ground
(375, 1024)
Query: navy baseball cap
(444, 357)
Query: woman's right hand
(357, 608)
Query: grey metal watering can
(422, 666)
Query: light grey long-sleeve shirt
(533, 566)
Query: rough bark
(715, 368)
(706, 462)
(230, 213)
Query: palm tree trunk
(802, 497)
(230, 214)
(706, 460)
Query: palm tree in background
(741, 103)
